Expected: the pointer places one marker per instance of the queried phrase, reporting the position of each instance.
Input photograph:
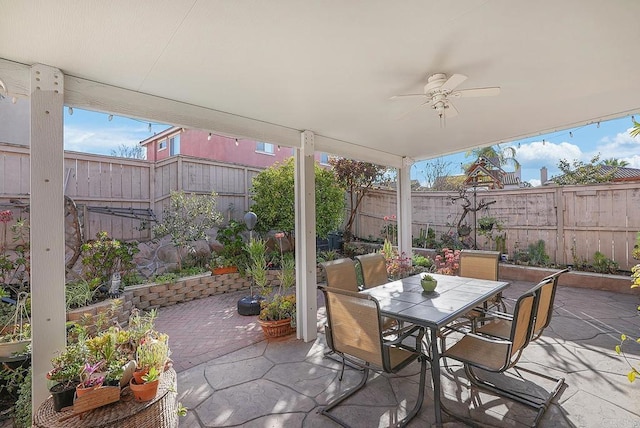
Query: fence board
(591, 218)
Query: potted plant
(90, 378)
(15, 335)
(220, 264)
(152, 352)
(231, 257)
(487, 222)
(428, 283)
(256, 250)
(147, 387)
(278, 309)
(65, 375)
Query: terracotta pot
(276, 328)
(81, 390)
(223, 270)
(137, 375)
(145, 391)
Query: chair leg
(423, 370)
(404, 421)
(539, 403)
(348, 393)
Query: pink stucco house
(176, 140)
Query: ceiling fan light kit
(439, 89)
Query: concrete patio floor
(229, 375)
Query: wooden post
(48, 314)
(404, 207)
(305, 238)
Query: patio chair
(545, 291)
(341, 273)
(354, 331)
(374, 269)
(481, 264)
(497, 355)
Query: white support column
(48, 315)
(305, 238)
(404, 207)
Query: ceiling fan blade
(476, 92)
(452, 82)
(450, 111)
(410, 111)
(397, 97)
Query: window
(324, 158)
(162, 145)
(174, 145)
(264, 147)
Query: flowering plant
(89, 376)
(448, 262)
(398, 265)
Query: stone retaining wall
(149, 296)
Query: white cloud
(634, 161)
(621, 146)
(99, 141)
(547, 152)
(535, 182)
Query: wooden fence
(120, 195)
(123, 196)
(573, 221)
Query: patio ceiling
(331, 66)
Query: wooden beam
(48, 311)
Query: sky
(90, 132)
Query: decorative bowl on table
(428, 283)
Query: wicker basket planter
(276, 328)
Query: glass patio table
(454, 296)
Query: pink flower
(6, 216)
(386, 218)
(279, 235)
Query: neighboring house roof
(621, 174)
(511, 179)
(159, 135)
(485, 173)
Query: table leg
(435, 374)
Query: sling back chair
(500, 324)
(497, 355)
(374, 269)
(478, 264)
(341, 273)
(354, 331)
(481, 264)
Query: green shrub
(537, 255)
(187, 219)
(273, 193)
(80, 293)
(422, 261)
(22, 409)
(603, 264)
(105, 256)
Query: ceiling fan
(438, 91)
